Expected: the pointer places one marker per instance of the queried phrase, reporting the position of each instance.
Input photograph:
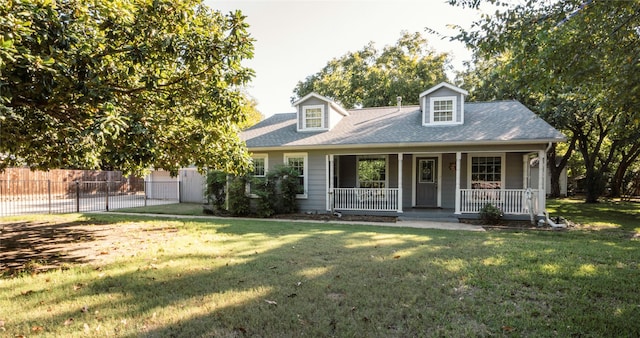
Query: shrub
(491, 214)
(239, 201)
(216, 189)
(276, 192)
(289, 188)
(265, 189)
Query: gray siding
(448, 186)
(407, 179)
(392, 170)
(464, 163)
(316, 178)
(317, 183)
(513, 171)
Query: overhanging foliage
(127, 84)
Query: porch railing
(510, 201)
(369, 199)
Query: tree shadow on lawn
(364, 281)
(40, 246)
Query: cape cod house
(445, 153)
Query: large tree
(371, 77)
(576, 63)
(129, 85)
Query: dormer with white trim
(317, 113)
(442, 104)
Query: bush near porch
(275, 193)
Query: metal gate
(49, 197)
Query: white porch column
(458, 193)
(400, 155)
(525, 172)
(542, 182)
(330, 174)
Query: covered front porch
(462, 182)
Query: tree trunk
(555, 170)
(617, 181)
(555, 191)
(594, 186)
(628, 158)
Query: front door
(427, 182)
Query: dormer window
(313, 117)
(316, 113)
(443, 109)
(442, 105)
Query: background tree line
(575, 63)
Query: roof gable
(445, 85)
(329, 101)
(442, 104)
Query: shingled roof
(484, 122)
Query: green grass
(201, 278)
(189, 209)
(607, 215)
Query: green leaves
(126, 84)
(371, 77)
(575, 63)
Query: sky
(296, 39)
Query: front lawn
(188, 209)
(135, 276)
(606, 215)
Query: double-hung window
(298, 162)
(313, 117)
(260, 163)
(487, 172)
(443, 109)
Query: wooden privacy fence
(63, 175)
(21, 189)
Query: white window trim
(386, 169)
(322, 117)
(503, 166)
(266, 170)
(432, 101)
(305, 181)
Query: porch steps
(429, 219)
(430, 215)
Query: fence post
(49, 194)
(77, 196)
(107, 197)
(144, 189)
(179, 191)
